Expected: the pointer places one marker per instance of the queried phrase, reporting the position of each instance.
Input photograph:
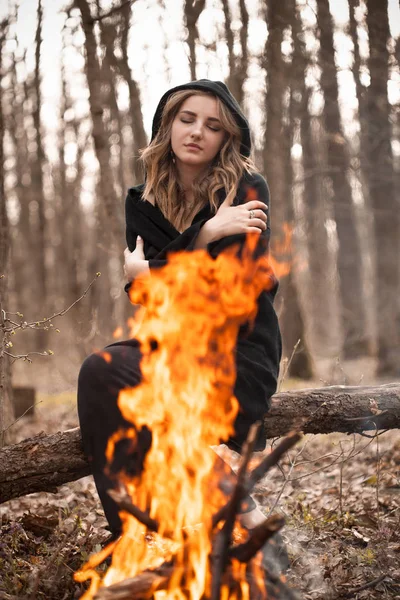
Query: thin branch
(47, 320)
(259, 472)
(125, 503)
(366, 586)
(23, 414)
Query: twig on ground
(39, 574)
(366, 586)
(378, 472)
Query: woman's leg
(101, 378)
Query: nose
(197, 130)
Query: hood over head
(218, 89)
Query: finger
(253, 230)
(139, 240)
(227, 202)
(258, 223)
(253, 204)
(127, 252)
(260, 214)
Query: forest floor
(340, 496)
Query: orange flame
(105, 355)
(193, 309)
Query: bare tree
(23, 237)
(349, 256)
(277, 166)
(361, 92)
(193, 10)
(101, 142)
(135, 108)
(238, 66)
(274, 149)
(318, 292)
(293, 325)
(6, 407)
(38, 162)
(382, 190)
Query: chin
(193, 161)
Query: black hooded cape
(258, 351)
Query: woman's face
(196, 134)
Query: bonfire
(181, 538)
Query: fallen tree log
(44, 462)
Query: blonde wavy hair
(224, 172)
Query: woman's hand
(135, 262)
(231, 220)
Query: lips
(193, 146)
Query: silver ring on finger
(252, 214)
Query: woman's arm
(231, 224)
(233, 220)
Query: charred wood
(257, 538)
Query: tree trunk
(274, 146)
(237, 66)
(193, 10)
(361, 167)
(318, 292)
(6, 406)
(361, 93)
(293, 325)
(135, 107)
(38, 188)
(382, 191)
(46, 461)
(101, 143)
(23, 237)
(277, 166)
(349, 256)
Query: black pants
(101, 378)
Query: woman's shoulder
(136, 194)
(253, 178)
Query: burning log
(258, 537)
(149, 581)
(144, 585)
(141, 586)
(44, 462)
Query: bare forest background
(323, 98)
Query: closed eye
(209, 126)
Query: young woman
(198, 175)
